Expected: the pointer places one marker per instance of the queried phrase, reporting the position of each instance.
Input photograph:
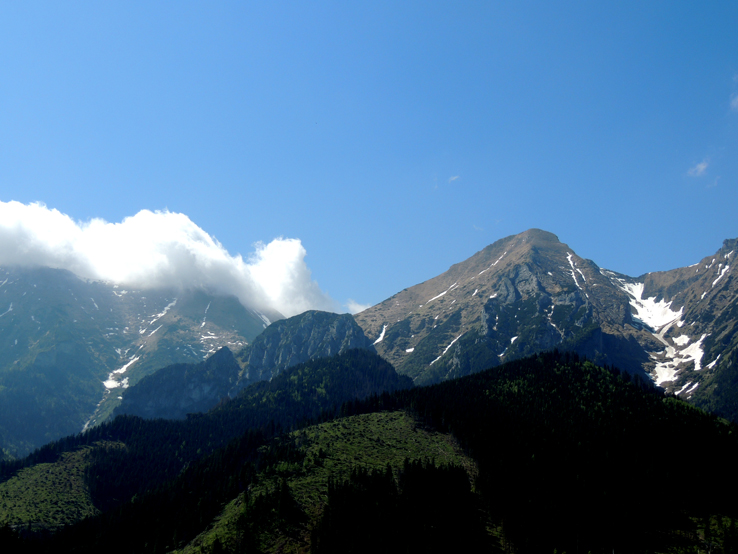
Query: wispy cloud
(354, 307)
(452, 179)
(698, 169)
(160, 249)
(734, 102)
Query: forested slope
(574, 456)
(569, 456)
(156, 451)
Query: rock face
(529, 292)
(186, 388)
(523, 294)
(69, 347)
(692, 312)
(310, 335)
(179, 389)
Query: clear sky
(393, 139)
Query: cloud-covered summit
(159, 249)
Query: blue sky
(392, 139)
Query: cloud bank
(160, 249)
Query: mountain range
(553, 409)
(75, 352)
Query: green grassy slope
(50, 495)
(331, 450)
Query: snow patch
(444, 292)
(446, 350)
(712, 363)
(125, 367)
(681, 340)
(264, 318)
(381, 335)
(652, 313)
(666, 369)
(573, 267)
(722, 273)
(204, 317)
(494, 264)
(409, 350)
(157, 317)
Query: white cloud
(734, 103)
(699, 169)
(354, 307)
(451, 179)
(159, 249)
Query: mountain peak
(538, 235)
(527, 286)
(532, 239)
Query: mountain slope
(174, 391)
(693, 313)
(572, 456)
(336, 448)
(523, 294)
(149, 453)
(561, 447)
(69, 346)
(529, 292)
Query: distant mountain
(530, 292)
(69, 347)
(179, 389)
